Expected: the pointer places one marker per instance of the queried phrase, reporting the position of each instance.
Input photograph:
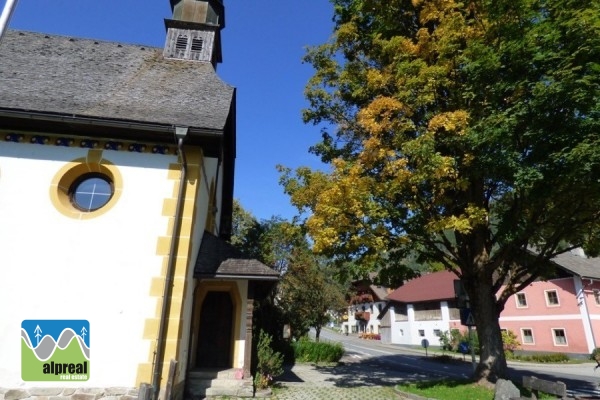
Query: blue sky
(263, 44)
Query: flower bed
(370, 336)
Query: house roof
(107, 80)
(219, 259)
(379, 292)
(430, 287)
(578, 265)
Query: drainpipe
(180, 134)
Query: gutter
(180, 134)
(103, 122)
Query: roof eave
(95, 127)
(239, 276)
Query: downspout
(180, 134)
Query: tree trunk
(492, 362)
(317, 333)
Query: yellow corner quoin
(181, 266)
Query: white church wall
(54, 267)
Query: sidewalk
(348, 380)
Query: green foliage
(450, 340)
(510, 343)
(544, 358)
(269, 363)
(448, 389)
(431, 156)
(595, 355)
(308, 291)
(306, 350)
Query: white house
(422, 308)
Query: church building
(116, 196)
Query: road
(581, 379)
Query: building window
(521, 300)
(91, 192)
(527, 336)
(560, 337)
(437, 332)
(80, 194)
(422, 332)
(552, 298)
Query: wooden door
(215, 336)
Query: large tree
(466, 132)
(308, 293)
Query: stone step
(210, 383)
(205, 383)
(232, 373)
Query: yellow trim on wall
(66, 176)
(176, 312)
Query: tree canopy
(466, 132)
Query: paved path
(348, 380)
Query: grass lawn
(456, 389)
(448, 389)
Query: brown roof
(219, 259)
(433, 286)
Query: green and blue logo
(55, 350)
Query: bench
(558, 389)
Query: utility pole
(7, 12)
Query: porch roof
(218, 259)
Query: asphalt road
(581, 379)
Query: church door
(214, 338)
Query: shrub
(306, 350)
(269, 363)
(510, 343)
(545, 358)
(595, 354)
(451, 340)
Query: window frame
(546, 295)
(518, 302)
(523, 341)
(564, 335)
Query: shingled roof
(219, 259)
(429, 287)
(107, 80)
(579, 265)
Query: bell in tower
(194, 32)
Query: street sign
(466, 317)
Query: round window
(91, 192)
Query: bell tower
(194, 32)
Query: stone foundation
(62, 393)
